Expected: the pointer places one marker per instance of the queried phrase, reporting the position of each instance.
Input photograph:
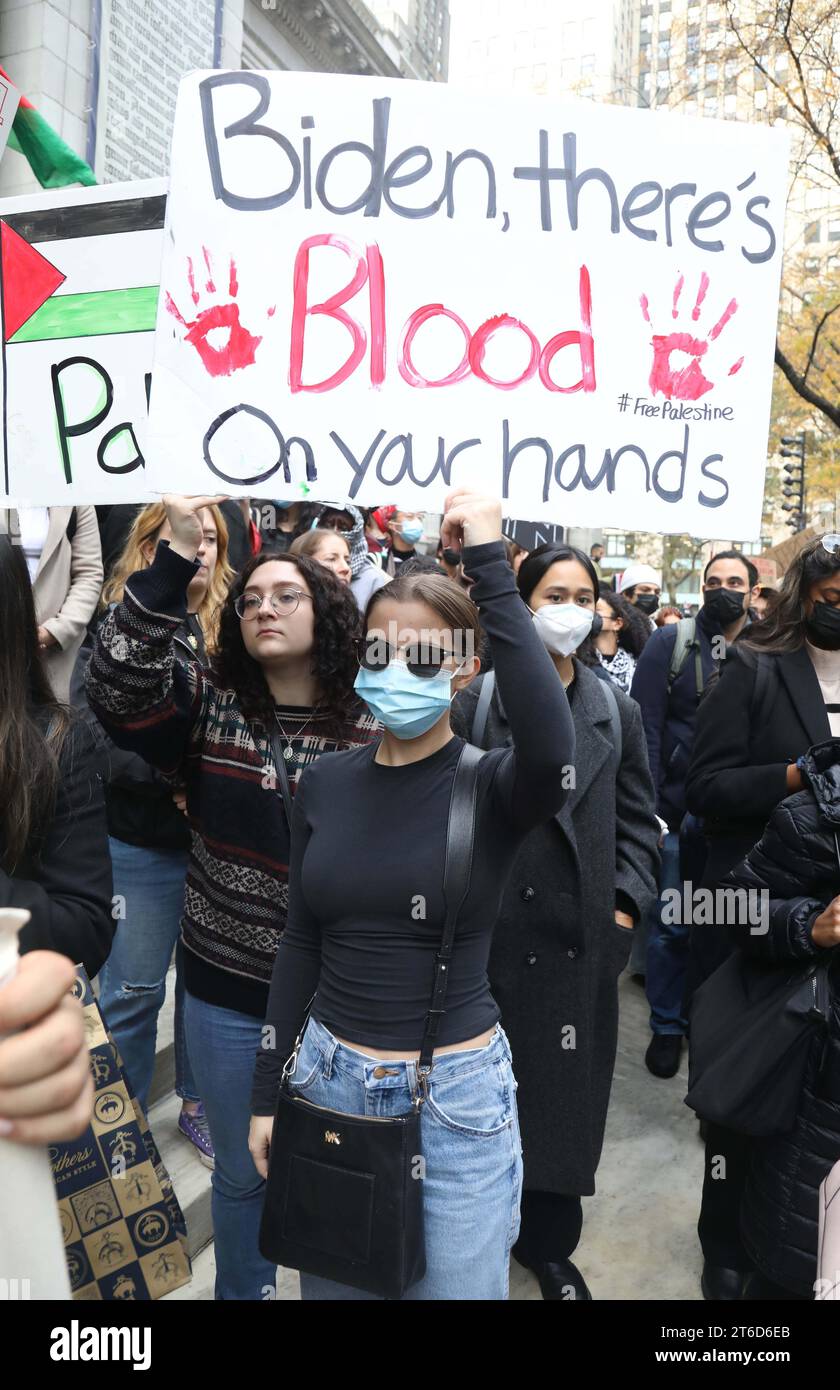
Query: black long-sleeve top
(65, 880)
(366, 904)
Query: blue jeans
(132, 982)
(472, 1154)
(668, 945)
(223, 1045)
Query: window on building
(692, 44)
(522, 43)
(760, 100)
(834, 229)
(539, 75)
(812, 231)
(615, 545)
(693, 15)
(522, 79)
(730, 67)
(812, 263)
(663, 80)
(691, 75)
(589, 34)
(587, 64)
(647, 23)
(664, 50)
(711, 72)
(570, 35)
(664, 19)
(730, 105)
(710, 106)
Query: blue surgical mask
(407, 705)
(412, 531)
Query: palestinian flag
(51, 160)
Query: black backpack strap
(460, 837)
(615, 721)
(482, 709)
(71, 525)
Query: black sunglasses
(375, 654)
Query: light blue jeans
(224, 1045)
(132, 982)
(471, 1149)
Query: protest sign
(379, 289)
(79, 277)
(9, 102)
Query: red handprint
(687, 383)
(237, 347)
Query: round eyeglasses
(283, 603)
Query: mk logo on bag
(332, 1136)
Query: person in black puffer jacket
(797, 863)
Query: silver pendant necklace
(288, 751)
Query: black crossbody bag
(344, 1195)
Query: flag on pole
(50, 158)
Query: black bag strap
(482, 709)
(460, 838)
(282, 774)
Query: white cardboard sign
(380, 290)
(78, 294)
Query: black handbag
(344, 1198)
(751, 1029)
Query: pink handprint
(686, 383)
(239, 347)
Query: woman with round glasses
(284, 665)
(367, 907)
(777, 696)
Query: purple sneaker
(195, 1128)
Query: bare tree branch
(829, 410)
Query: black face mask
(726, 606)
(647, 603)
(450, 557)
(824, 626)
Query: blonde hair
(146, 527)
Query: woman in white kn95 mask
(580, 882)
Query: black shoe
(562, 1280)
(721, 1285)
(558, 1279)
(663, 1055)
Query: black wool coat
(557, 952)
(796, 865)
(64, 879)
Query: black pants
(550, 1227)
(719, 1227)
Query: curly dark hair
(636, 630)
(337, 626)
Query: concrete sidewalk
(639, 1233)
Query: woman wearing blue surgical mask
(366, 906)
(405, 530)
(581, 881)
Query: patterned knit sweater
(172, 714)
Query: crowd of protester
(157, 662)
